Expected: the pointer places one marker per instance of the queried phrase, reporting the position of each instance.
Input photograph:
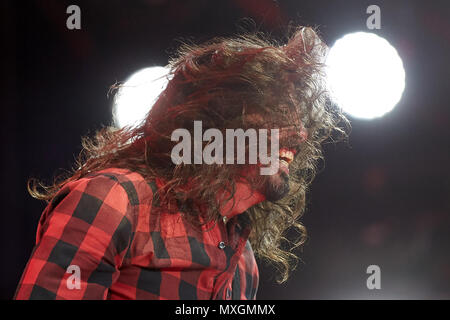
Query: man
(130, 223)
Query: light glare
(137, 95)
(365, 75)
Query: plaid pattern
(103, 224)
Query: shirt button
(221, 245)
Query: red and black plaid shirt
(103, 224)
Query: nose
(293, 135)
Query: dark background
(381, 199)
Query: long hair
(221, 83)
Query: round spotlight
(137, 95)
(365, 75)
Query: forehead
(278, 115)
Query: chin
(277, 186)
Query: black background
(381, 199)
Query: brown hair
(219, 82)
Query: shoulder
(106, 195)
(112, 187)
(132, 183)
(118, 175)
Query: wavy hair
(221, 83)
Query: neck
(244, 198)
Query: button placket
(224, 232)
(228, 294)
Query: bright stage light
(138, 94)
(365, 75)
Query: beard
(276, 186)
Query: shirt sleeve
(82, 239)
